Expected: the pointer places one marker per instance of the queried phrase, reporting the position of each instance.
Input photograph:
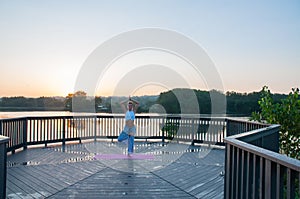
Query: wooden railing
(254, 168)
(24, 132)
(3, 155)
(237, 126)
(16, 130)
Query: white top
(129, 115)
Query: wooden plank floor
(176, 171)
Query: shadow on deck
(172, 171)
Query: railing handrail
(122, 116)
(248, 122)
(240, 132)
(267, 154)
(3, 139)
(25, 131)
(255, 169)
(3, 169)
(175, 116)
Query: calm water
(50, 113)
(67, 113)
(35, 113)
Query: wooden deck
(176, 171)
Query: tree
(287, 114)
(169, 101)
(80, 102)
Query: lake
(16, 114)
(33, 113)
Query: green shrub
(287, 114)
(170, 128)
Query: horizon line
(60, 96)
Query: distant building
(102, 108)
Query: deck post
(25, 133)
(95, 129)
(163, 137)
(0, 127)
(227, 171)
(3, 169)
(163, 131)
(64, 132)
(193, 132)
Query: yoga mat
(136, 156)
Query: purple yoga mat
(136, 156)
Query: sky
(44, 44)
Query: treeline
(21, 103)
(238, 104)
(172, 102)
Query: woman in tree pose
(129, 130)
